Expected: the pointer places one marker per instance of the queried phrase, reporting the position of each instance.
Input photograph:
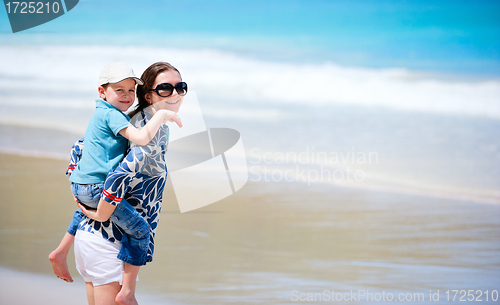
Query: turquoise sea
(439, 36)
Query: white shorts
(96, 259)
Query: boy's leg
(126, 296)
(78, 216)
(134, 248)
(135, 240)
(58, 258)
(88, 194)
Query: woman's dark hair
(149, 78)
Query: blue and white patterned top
(140, 179)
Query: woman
(140, 179)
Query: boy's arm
(147, 133)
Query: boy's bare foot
(124, 298)
(60, 266)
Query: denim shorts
(88, 194)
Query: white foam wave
(67, 74)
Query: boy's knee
(141, 231)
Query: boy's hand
(171, 116)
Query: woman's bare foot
(126, 298)
(60, 266)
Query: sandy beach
(264, 244)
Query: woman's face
(172, 102)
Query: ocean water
(457, 37)
(388, 129)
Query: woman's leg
(90, 293)
(106, 294)
(96, 262)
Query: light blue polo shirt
(104, 146)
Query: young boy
(105, 146)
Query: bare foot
(60, 266)
(125, 298)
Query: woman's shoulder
(140, 119)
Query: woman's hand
(92, 214)
(103, 212)
(88, 213)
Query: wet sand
(19, 288)
(264, 242)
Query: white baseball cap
(115, 72)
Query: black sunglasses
(166, 89)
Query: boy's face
(119, 95)
(172, 102)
